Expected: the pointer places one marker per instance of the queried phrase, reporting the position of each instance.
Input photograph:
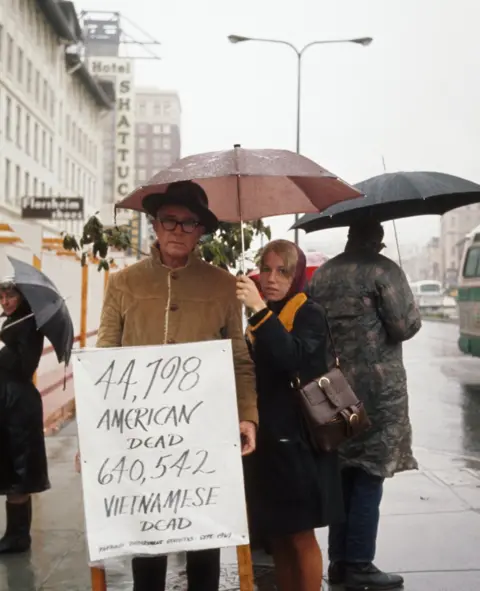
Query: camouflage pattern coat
(371, 310)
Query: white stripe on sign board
(160, 449)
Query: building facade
(51, 109)
(453, 229)
(157, 123)
(157, 140)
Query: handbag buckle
(325, 379)
(354, 419)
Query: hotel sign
(120, 71)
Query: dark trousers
(354, 541)
(203, 571)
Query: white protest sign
(160, 449)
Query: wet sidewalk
(430, 526)
(430, 531)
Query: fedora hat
(187, 194)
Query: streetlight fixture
(363, 41)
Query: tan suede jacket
(150, 304)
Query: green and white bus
(468, 296)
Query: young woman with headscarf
(291, 490)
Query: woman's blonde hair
(286, 250)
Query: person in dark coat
(291, 490)
(372, 311)
(23, 460)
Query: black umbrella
(48, 306)
(396, 195)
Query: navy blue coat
(290, 488)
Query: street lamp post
(364, 41)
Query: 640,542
(135, 470)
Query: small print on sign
(160, 449)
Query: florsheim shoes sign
(52, 208)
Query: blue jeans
(354, 541)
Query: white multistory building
(50, 109)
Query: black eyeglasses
(170, 224)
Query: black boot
(367, 577)
(336, 573)
(17, 535)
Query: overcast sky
(412, 96)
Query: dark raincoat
(23, 461)
(372, 310)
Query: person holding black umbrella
(372, 311)
(34, 309)
(23, 459)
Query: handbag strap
(332, 340)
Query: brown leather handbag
(331, 409)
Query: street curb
(55, 420)
(444, 320)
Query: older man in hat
(175, 297)
(372, 311)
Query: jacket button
(174, 275)
(173, 308)
(171, 342)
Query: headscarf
(298, 282)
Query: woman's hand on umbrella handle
(248, 294)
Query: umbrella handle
(18, 321)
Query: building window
(166, 128)
(43, 190)
(157, 143)
(8, 118)
(44, 148)
(60, 118)
(59, 164)
(166, 143)
(35, 142)
(17, 184)
(7, 180)
(142, 108)
(20, 65)
(18, 129)
(29, 76)
(67, 127)
(141, 159)
(142, 143)
(157, 129)
(67, 172)
(26, 184)
(142, 128)
(27, 134)
(162, 160)
(50, 154)
(35, 187)
(37, 87)
(157, 108)
(141, 175)
(45, 95)
(52, 104)
(9, 54)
